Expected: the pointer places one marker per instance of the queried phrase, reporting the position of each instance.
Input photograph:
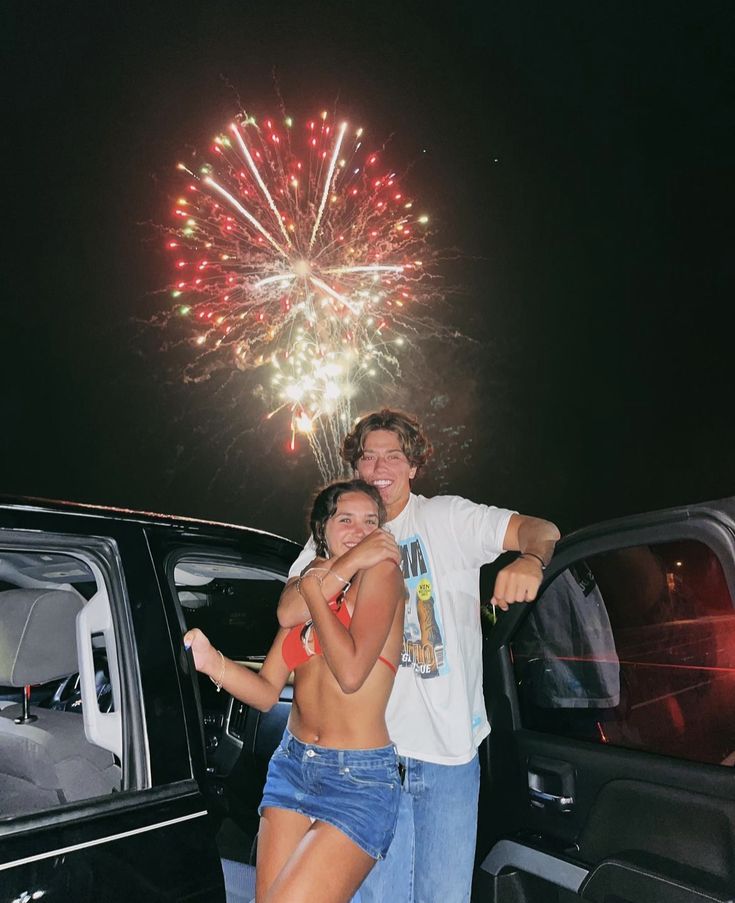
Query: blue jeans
(432, 855)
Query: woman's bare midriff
(322, 714)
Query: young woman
(330, 801)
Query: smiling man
(436, 714)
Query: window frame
(215, 556)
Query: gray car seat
(47, 760)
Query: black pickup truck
(124, 774)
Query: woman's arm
(376, 546)
(260, 689)
(351, 653)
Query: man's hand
(518, 582)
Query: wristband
(537, 557)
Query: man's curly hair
(416, 446)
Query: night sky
(578, 156)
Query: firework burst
(297, 250)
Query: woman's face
(355, 517)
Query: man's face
(384, 465)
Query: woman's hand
(380, 545)
(206, 657)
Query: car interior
(60, 719)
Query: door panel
(148, 843)
(608, 775)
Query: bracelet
(537, 557)
(335, 574)
(315, 571)
(320, 580)
(218, 682)
(326, 571)
(306, 574)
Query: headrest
(38, 639)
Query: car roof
(112, 512)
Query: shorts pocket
(385, 776)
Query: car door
(136, 825)
(608, 775)
(227, 582)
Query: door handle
(541, 799)
(550, 784)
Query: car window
(60, 711)
(634, 648)
(233, 603)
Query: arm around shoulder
(291, 609)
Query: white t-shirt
(436, 711)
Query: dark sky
(580, 157)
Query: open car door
(608, 776)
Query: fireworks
(296, 250)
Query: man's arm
(292, 609)
(535, 539)
(376, 546)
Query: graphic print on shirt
(423, 635)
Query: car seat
(45, 756)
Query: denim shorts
(355, 790)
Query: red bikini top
(297, 642)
